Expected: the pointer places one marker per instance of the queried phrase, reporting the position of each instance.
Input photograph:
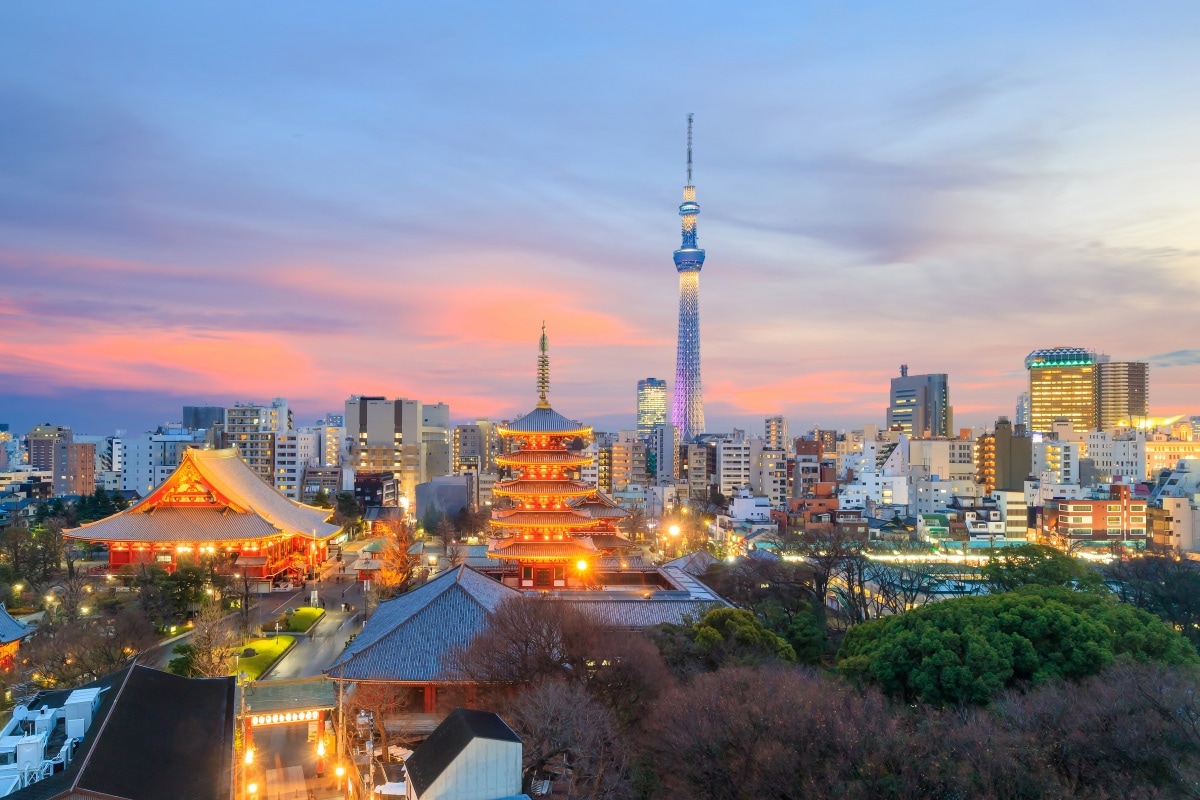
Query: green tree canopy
(725, 636)
(1036, 565)
(966, 650)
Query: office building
(251, 428)
(919, 405)
(407, 438)
(1122, 393)
(197, 418)
(40, 443)
(1062, 385)
(651, 404)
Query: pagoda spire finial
(543, 369)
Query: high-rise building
(687, 406)
(1013, 458)
(476, 446)
(1062, 385)
(920, 404)
(40, 442)
(776, 429)
(252, 429)
(198, 418)
(664, 444)
(1122, 393)
(651, 404)
(407, 438)
(1022, 417)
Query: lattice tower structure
(687, 406)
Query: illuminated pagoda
(556, 528)
(213, 507)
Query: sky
(216, 202)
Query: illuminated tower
(687, 408)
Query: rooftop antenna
(689, 149)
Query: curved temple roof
(212, 496)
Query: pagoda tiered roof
(555, 550)
(211, 496)
(558, 458)
(544, 420)
(531, 487)
(537, 518)
(598, 505)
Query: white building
(1057, 461)
(1014, 513)
(149, 459)
(295, 450)
(932, 494)
(1119, 456)
(735, 464)
(768, 476)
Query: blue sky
(220, 202)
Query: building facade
(651, 404)
(919, 405)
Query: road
(308, 657)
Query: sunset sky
(203, 203)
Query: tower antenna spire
(689, 149)
(543, 369)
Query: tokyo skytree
(687, 407)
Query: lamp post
(652, 525)
(674, 531)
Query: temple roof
(533, 486)
(408, 638)
(211, 496)
(544, 420)
(518, 548)
(598, 505)
(521, 518)
(10, 629)
(523, 458)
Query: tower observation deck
(687, 407)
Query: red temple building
(556, 527)
(214, 507)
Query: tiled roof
(10, 629)
(544, 420)
(696, 563)
(519, 549)
(176, 525)
(407, 638)
(267, 512)
(639, 613)
(520, 518)
(526, 457)
(609, 541)
(536, 487)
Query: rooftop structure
(687, 407)
(137, 734)
(471, 755)
(214, 506)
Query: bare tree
(569, 737)
(213, 643)
(382, 700)
(528, 639)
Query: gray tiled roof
(407, 638)
(544, 420)
(10, 629)
(639, 613)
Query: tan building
(1062, 385)
(74, 468)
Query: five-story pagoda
(542, 531)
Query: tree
(567, 734)
(724, 636)
(380, 700)
(1036, 565)
(17, 543)
(529, 639)
(347, 512)
(398, 565)
(967, 650)
(69, 653)
(212, 644)
(1164, 586)
(321, 499)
